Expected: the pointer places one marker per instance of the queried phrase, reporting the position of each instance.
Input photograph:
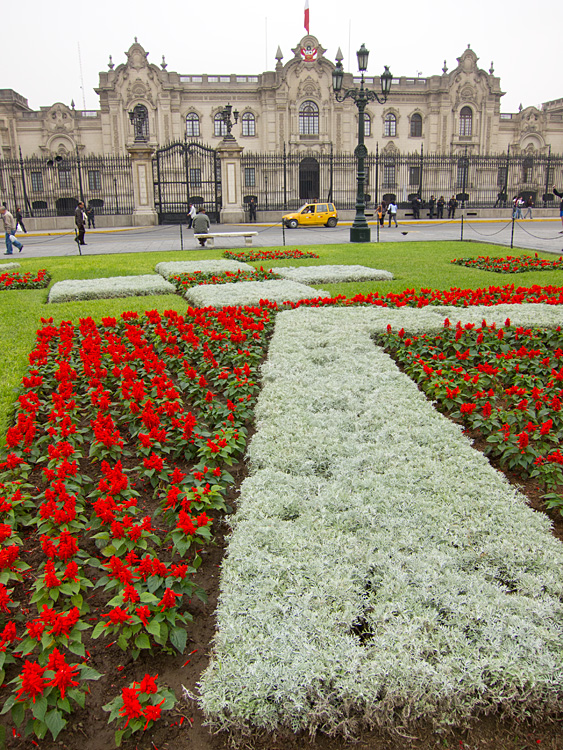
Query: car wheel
(292, 224)
(331, 222)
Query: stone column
(144, 213)
(230, 153)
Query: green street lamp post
(360, 231)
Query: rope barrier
(485, 234)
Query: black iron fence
(190, 173)
(282, 182)
(52, 186)
(186, 173)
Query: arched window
(308, 119)
(248, 124)
(416, 126)
(192, 125)
(465, 121)
(367, 125)
(390, 128)
(220, 126)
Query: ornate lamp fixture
(360, 231)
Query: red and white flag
(307, 16)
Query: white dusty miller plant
(115, 286)
(172, 268)
(250, 293)
(332, 274)
(379, 569)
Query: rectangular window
(462, 174)
(388, 176)
(37, 182)
(501, 177)
(65, 178)
(414, 176)
(94, 179)
(195, 176)
(249, 177)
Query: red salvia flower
(32, 681)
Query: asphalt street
(543, 235)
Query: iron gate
(184, 173)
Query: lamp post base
(360, 234)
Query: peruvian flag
(307, 16)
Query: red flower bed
(248, 256)
(117, 464)
(510, 264)
(183, 281)
(506, 383)
(489, 296)
(29, 280)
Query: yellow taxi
(312, 215)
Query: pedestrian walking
(559, 195)
(19, 220)
(517, 204)
(392, 211)
(381, 214)
(9, 229)
(440, 203)
(91, 217)
(201, 225)
(529, 206)
(252, 208)
(431, 206)
(80, 221)
(191, 215)
(452, 205)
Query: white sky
(40, 59)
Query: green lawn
(414, 265)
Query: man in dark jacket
(19, 220)
(201, 225)
(452, 205)
(79, 218)
(560, 195)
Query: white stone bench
(210, 238)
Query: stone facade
(291, 106)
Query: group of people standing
(518, 204)
(435, 207)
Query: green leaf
(55, 722)
(77, 648)
(143, 641)
(39, 708)
(64, 705)
(100, 627)
(119, 736)
(18, 712)
(178, 638)
(153, 628)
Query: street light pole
(360, 231)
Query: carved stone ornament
(309, 88)
(59, 119)
(136, 56)
(390, 149)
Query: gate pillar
(229, 152)
(144, 213)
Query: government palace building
(428, 136)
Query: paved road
(538, 234)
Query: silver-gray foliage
(379, 570)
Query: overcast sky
(41, 58)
